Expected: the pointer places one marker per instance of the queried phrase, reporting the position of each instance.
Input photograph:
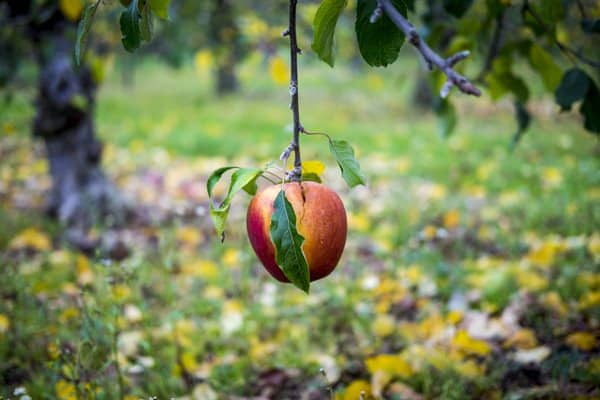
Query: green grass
(439, 217)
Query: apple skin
(320, 219)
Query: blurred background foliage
(471, 270)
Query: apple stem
(296, 173)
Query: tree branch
(430, 56)
(296, 173)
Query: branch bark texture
(430, 56)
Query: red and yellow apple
(320, 219)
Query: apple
(320, 219)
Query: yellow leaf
(454, 317)
(188, 236)
(65, 390)
(531, 280)
(451, 219)
(231, 258)
(465, 343)
(384, 325)
(85, 275)
(522, 339)
(71, 9)
(469, 368)
(593, 246)
(589, 300)
(121, 292)
(583, 341)
(4, 324)
(355, 390)
(545, 254)
(206, 269)
(313, 167)
(393, 364)
(30, 238)
(278, 70)
(203, 61)
(551, 177)
(552, 300)
(359, 221)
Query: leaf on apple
(343, 153)
(288, 243)
(241, 179)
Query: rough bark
(80, 194)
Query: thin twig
(430, 56)
(296, 173)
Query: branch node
(377, 13)
(286, 32)
(287, 152)
(446, 89)
(454, 59)
(293, 88)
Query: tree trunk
(80, 194)
(225, 37)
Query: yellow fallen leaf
(85, 275)
(551, 177)
(71, 9)
(465, 343)
(589, 300)
(384, 325)
(593, 246)
(188, 236)
(65, 390)
(393, 364)
(355, 389)
(521, 339)
(553, 301)
(4, 324)
(451, 219)
(231, 257)
(583, 341)
(120, 292)
(30, 238)
(469, 368)
(278, 70)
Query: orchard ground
(470, 271)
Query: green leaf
(146, 23)
(457, 8)
(324, 24)
(500, 83)
(130, 27)
(573, 87)
(543, 63)
(215, 177)
(379, 42)
(288, 243)
(523, 120)
(343, 153)
(85, 23)
(241, 179)
(590, 109)
(446, 118)
(160, 8)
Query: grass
(451, 239)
